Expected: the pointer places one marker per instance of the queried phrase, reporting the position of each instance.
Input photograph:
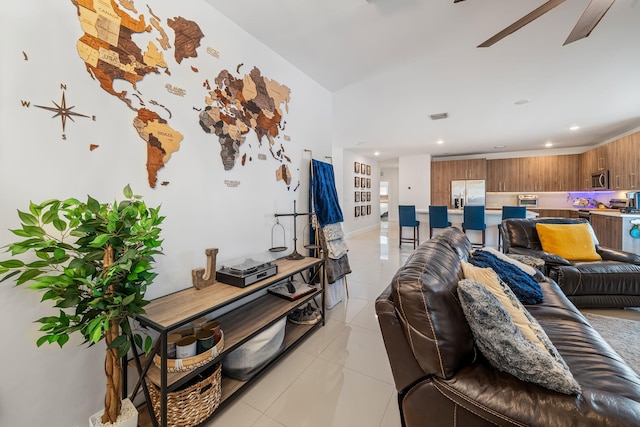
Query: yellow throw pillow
(572, 242)
(490, 280)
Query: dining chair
(510, 212)
(438, 218)
(407, 218)
(473, 219)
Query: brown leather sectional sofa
(612, 282)
(442, 380)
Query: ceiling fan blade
(522, 22)
(589, 19)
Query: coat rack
(295, 254)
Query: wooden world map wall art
(229, 107)
(587, 22)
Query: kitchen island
(613, 229)
(492, 217)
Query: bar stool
(438, 218)
(407, 218)
(473, 219)
(510, 212)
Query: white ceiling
(392, 63)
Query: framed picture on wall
(368, 196)
(363, 169)
(368, 169)
(356, 181)
(357, 211)
(363, 196)
(368, 182)
(363, 210)
(357, 196)
(363, 182)
(356, 167)
(368, 209)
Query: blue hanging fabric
(324, 194)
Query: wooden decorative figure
(202, 278)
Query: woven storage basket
(181, 365)
(194, 404)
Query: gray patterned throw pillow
(505, 346)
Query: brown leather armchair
(612, 282)
(442, 380)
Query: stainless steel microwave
(600, 180)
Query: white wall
(62, 387)
(415, 181)
(353, 224)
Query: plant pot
(128, 417)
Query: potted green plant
(94, 262)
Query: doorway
(384, 201)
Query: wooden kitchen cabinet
(503, 175)
(625, 157)
(530, 174)
(443, 172)
(554, 213)
(560, 173)
(471, 169)
(608, 229)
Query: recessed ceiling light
(497, 147)
(574, 128)
(439, 141)
(522, 101)
(439, 116)
(549, 144)
(377, 153)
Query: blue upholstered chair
(407, 217)
(438, 218)
(473, 219)
(510, 212)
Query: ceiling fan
(587, 22)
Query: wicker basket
(182, 365)
(192, 405)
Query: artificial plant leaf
(93, 205)
(59, 224)
(12, 263)
(43, 339)
(50, 215)
(27, 218)
(9, 275)
(33, 231)
(100, 240)
(127, 192)
(128, 299)
(148, 344)
(62, 339)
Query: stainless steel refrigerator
(469, 192)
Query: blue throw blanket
(525, 287)
(325, 196)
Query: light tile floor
(340, 375)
